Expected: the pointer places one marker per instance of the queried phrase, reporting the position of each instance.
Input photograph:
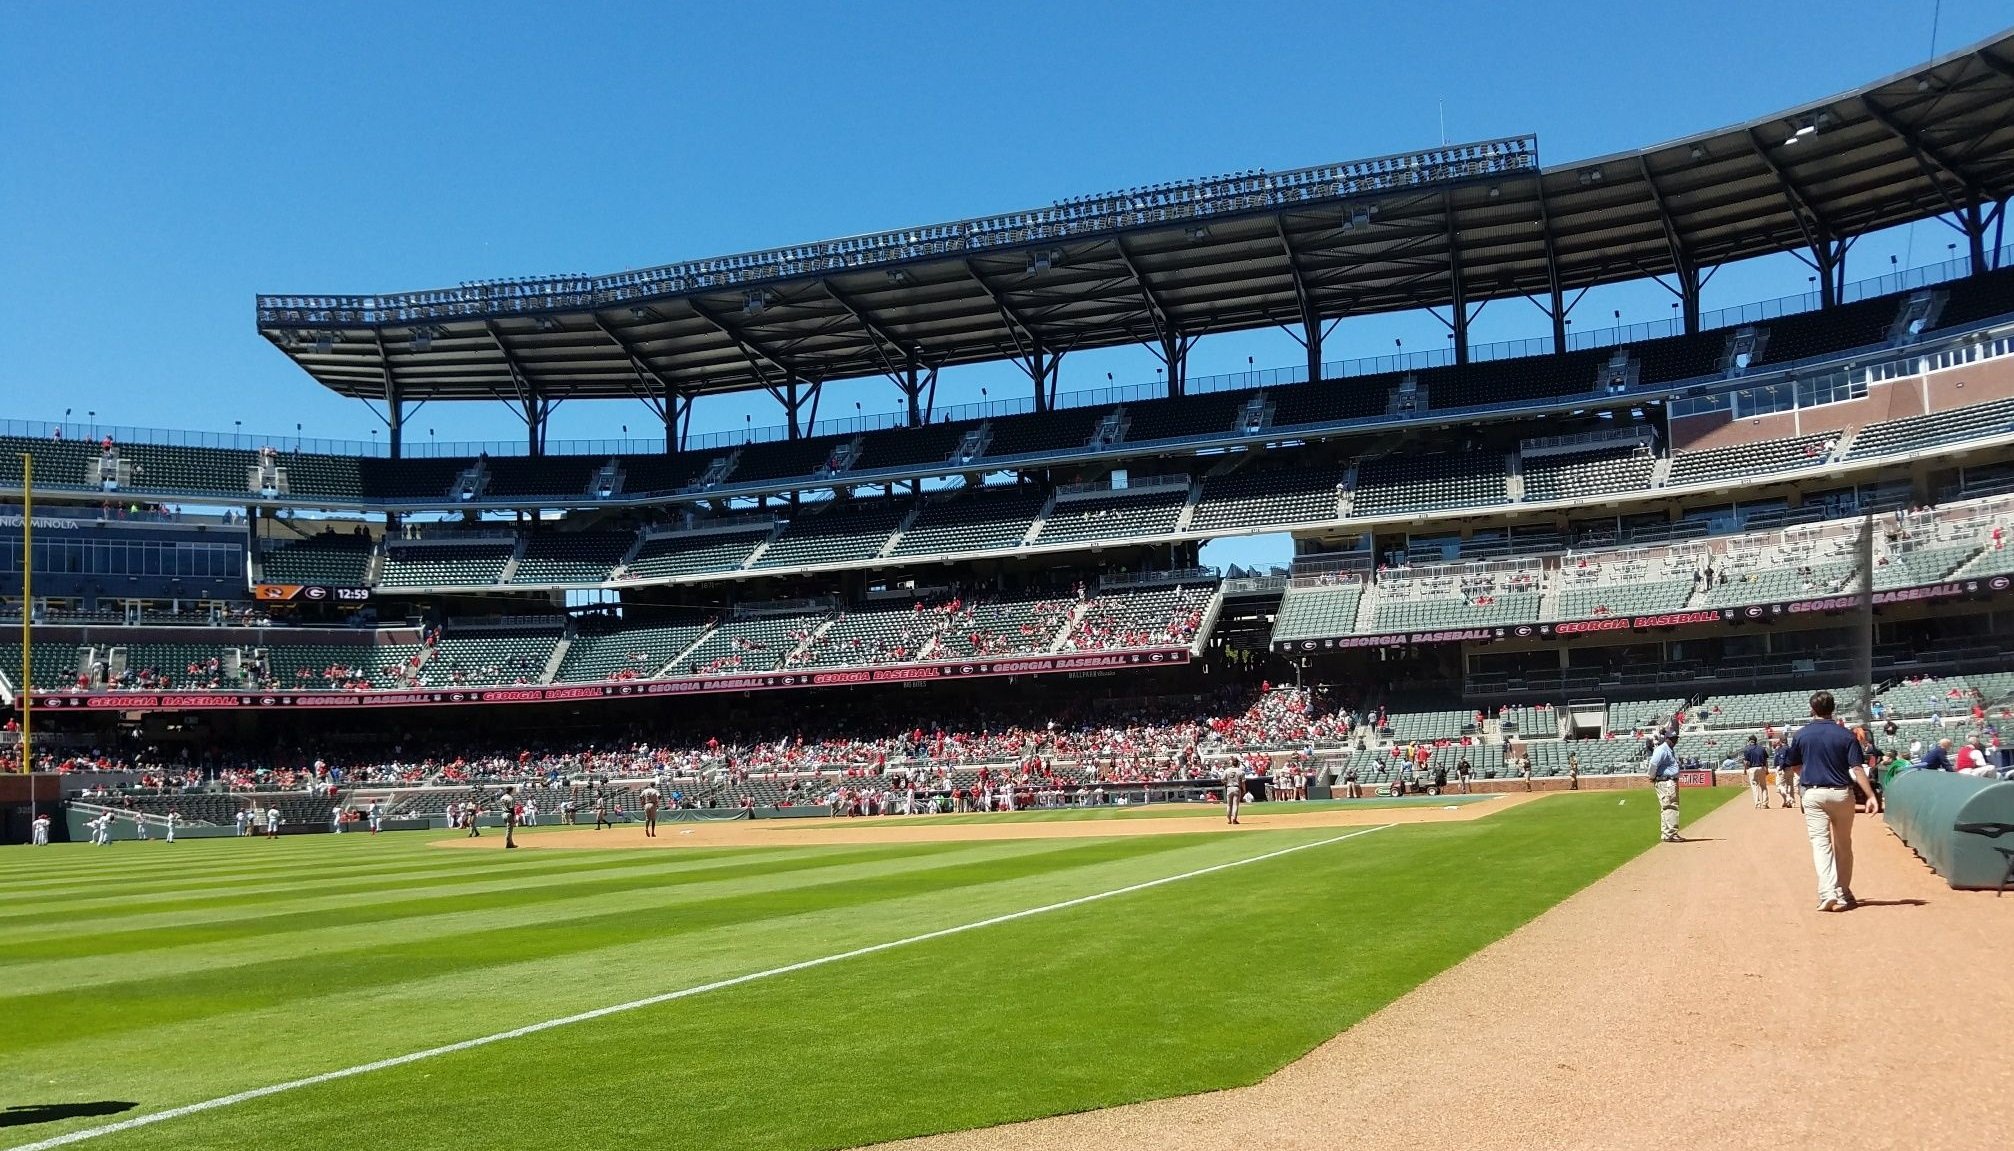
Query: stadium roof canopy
(1450, 227)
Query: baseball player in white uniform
(101, 829)
(1234, 789)
(272, 823)
(40, 836)
(244, 821)
(174, 817)
(140, 827)
(377, 817)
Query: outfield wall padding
(1924, 808)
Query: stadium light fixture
(423, 339)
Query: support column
(1558, 319)
(1974, 222)
(912, 389)
(395, 419)
(1038, 374)
(790, 408)
(1175, 354)
(1312, 326)
(534, 425)
(1457, 282)
(1688, 298)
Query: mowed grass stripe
(158, 997)
(103, 973)
(393, 900)
(291, 1039)
(146, 869)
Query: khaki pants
(1667, 808)
(1758, 791)
(1828, 820)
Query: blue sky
(159, 165)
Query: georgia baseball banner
(621, 689)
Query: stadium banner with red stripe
(620, 689)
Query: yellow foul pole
(26, 688)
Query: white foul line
(651, 1001)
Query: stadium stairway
(1346, 500)
(1208, 624)
(1071, 619)
(1367, 610)
(1660, 471)
(750, 560)
(1514, 477)
(516, 557)
(1188, 513)
(621, 567)
(551, 670)
(1041, 518)
(901, 529)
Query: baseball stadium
(918, 773)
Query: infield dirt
(928, 829)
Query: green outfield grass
(162, 976)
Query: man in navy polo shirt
(1829, 765)
(1757, 761)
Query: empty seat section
(332, 558)
(1916, 433)
(910, 447)
(571, 557)
(1328, 401)
(834, 534)
(1418, 483)
(562, 476)
(1679, 357)
(1318, 612)
(407, 479)
(443, 565)
(971, 521)
(1753, 459)
(1838, 329)
(1572, 477)
(662, 557)
(1268, 495)
(1976, 299)
(1149, 513)
(782, 459)
(1501, 382)
(1182, 416)
(1060, 431)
